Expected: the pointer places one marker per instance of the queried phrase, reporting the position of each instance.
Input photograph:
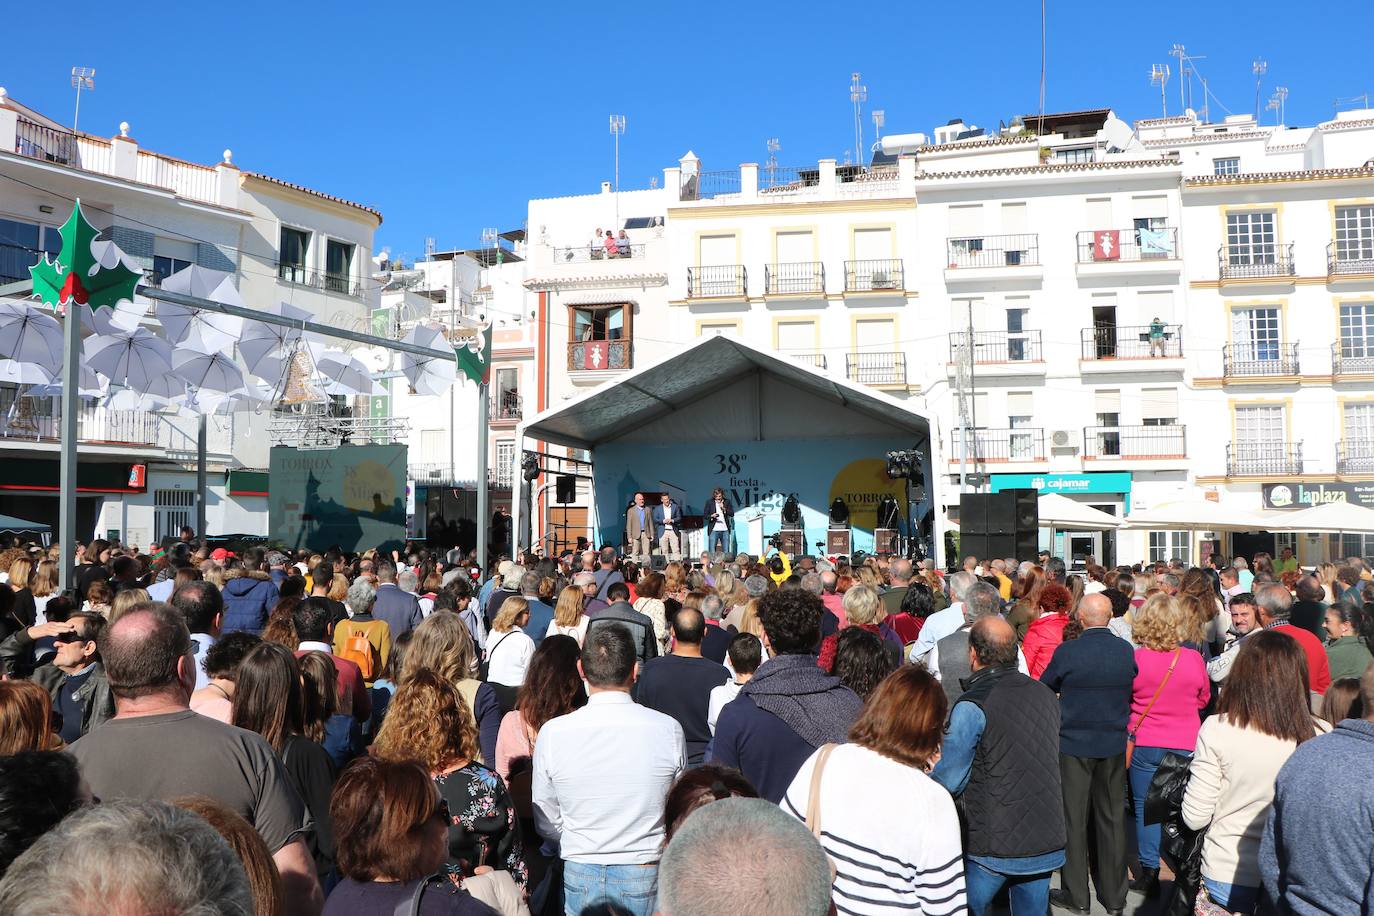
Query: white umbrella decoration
(201, 330)
(13, 372)
(88, 385)
(345, 374)
(260, 340)
(29, 334)
(139, 360)
(428, 376)
(208, 371)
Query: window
(1076, 154)
(1260, 423)
(1020, 411)
(1355, 233)
(172, 509)
(507, 406)
(20, 248)
(1229, 165)
(1108, 406)
(875, 335)
(1351, 545)
(718, 329)
(1359, 422)
(295, 243)
(1251, 237)
(598, 322)
(1255, 333)
(1170, 545)
(1159, 406)
(796, 337)
(505, 462)
(164, 267)
(1016, 341)
(1357, 330)
(434, 446)
(338, 266)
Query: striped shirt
(890, 830)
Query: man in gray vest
(949, 660)
(1001, 760)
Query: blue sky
(449, 116)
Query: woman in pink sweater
(1170, 690)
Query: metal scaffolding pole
(67, 482)
(483, 509)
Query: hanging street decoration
(78, 275)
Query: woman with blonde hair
(1206, 605)
(43, 586)
(443, 645)
(338, 588)
(568, 618)
(21, 574)
(509, 647)
(863, 609)
(650, 603)
(127, 599)
(429, 722)
(1170, 690)
(675, 581)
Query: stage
(722, 413)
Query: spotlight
(888, 512)
(529, 465)
(903, 464)
(791, 512)
(839, 513)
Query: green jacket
(1348, 657)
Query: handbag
(1130, 733)
(813, 802)
(1179, 846)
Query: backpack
(357, 648)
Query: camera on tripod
(775, 540)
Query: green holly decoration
(75, 276)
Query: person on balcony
(1156, 337)
(612, 249)
(598, 246)
(623, 243)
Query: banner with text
(353, 497)
(1298, 495)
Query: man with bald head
(157, 748)
(1093, 675)
(1001, 756)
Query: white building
(1059, 243)
(284, 242)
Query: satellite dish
(1119, 135)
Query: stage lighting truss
(904, 464)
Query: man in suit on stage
(639, 530)
(668, 528)
(719, 519)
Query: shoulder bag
(1130, 733)
(813, 801)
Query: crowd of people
(291, 732)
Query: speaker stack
(1005, 524)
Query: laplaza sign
(1299, 495)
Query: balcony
(877, 369)
(318, 279)
(815, 360)
(1118, 252)
(1355, 456)
(1132, 342)
(34, 141)
(999, 446)
(1352, 357)
(995, 347)
(995, 260)
(1350, 259)
(506, 406)
(1259, 360)
(599, 355)
(722, 281)
(797, 278)
(1263, 459)
(26, 419)
(1262, 261)
(443, 474)
(582, 253)
(1134, 443)
(884, 275)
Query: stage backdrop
(758, 477)
(353, 496)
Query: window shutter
(966, 222)
(1159, 403)
(1020, 404)
(1014, 219)
(1099, 213)
(1108, 401)
(1152, 207)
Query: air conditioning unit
(1061, 437)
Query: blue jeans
(632, 889)
(1237, 898)
(1030, 894)
(1144, 762)
(720, 542)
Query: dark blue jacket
(759, 745)
(247, 602)
(1093, 675)
(400, 610)
(541, 615)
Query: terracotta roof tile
(314, 193)
(1057, 167)
(1365, 171)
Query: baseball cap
(219, 553)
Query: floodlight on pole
(858, 94)
(82, 78)
(1159, 76)
(617, 123)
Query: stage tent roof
(722, 389)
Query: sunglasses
(69, 638)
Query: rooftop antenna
(1159, 76)
(82, 78)
(879, 120)
(1259, 67)
(429, 248)
(772, 164)
(617, 128)
(1362, 98)
(858, 94)
(1277, 102)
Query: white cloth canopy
(1335, 518)
(1058, 511)
(1196, 515)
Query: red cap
(221, 554)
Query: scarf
(810, 702)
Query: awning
(11, 525)
(764, 392)
(1061, 512)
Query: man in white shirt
(202, 606)
(942, 623)
(600, 776)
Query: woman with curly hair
(428, 721)
(443, 645)
(1170, 690)
(862, 660)
(281, 624)
(1046, 632)
(553, 687)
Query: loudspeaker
(885, 542)
(792, 543)
(1005, 524)
(658, 562)
(837, 542)
(565, 489)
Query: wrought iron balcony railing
(1352, 357)
(1132, 342)
(718, 281)
(998, 346)
(1355, 456)
(993, 446)
(1257, 459)
(1254, 261)
(1098, 247)
(1259, 359)
(995, 251)
(796, 277)
(874, 275)
(1135, 442)
(876, 368)
(1344, 258)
